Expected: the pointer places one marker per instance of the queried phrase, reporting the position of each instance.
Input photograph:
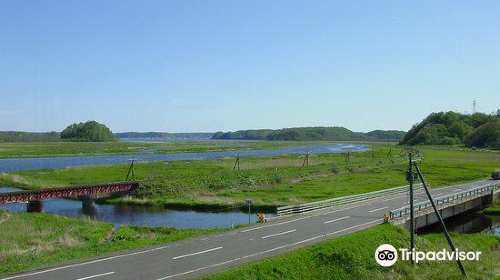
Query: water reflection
(470, 222)
(137, 215)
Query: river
(22, 164)
(147, 215)
(138, 215)
(469, 222)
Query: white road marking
(97, 275)
(197, 253)
(349, 228)
(378, 209)
(302, 218)
(384, 200)
(331, 221)
(272, 225)
(85, 263)
(466, 187)
(276, 234)
(195, 270)
(267, 251)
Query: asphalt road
(210, 253)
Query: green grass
(30, 240)
(352, 257)
(492, 210)
(52, 149)
(268, 181)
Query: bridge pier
(35, 206)
(88, 205)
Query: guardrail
(307, 207)
(446, 199)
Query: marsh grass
(268, 181)
(29, 240)
(52, 149)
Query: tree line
(319, 133)
(448, 128)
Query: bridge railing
(317, 205)
(31, 195)
(441, 200)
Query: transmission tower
(306, 160)
(474, 106)
(130, 173)
(348, 156)
(237, 163)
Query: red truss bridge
(79, 191)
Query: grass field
(271, 181)
(34, 240)
(352, 257)
(52, 149)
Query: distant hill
(319, 133)
(481, 130)
(165, 135)
(90, 131)
(20, 136)
(251, 134)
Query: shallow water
(22, 164)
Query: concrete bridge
(448, 205)
(84, 193)
(297, 226)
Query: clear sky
(189, 66)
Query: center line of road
(197, 253)
(331, 221)
(266, 251)
(281, 233)
(97, 275)
(378, 209)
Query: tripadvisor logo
(387, 255)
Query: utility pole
(474, 106)
(441, 222)
(409, 178)
(306, 160)
(131, 170)
(237, 163)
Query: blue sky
(187, 66)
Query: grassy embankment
(30, 240)
(53, 149)
(352, 257)
(493, 210)
(270, 181)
